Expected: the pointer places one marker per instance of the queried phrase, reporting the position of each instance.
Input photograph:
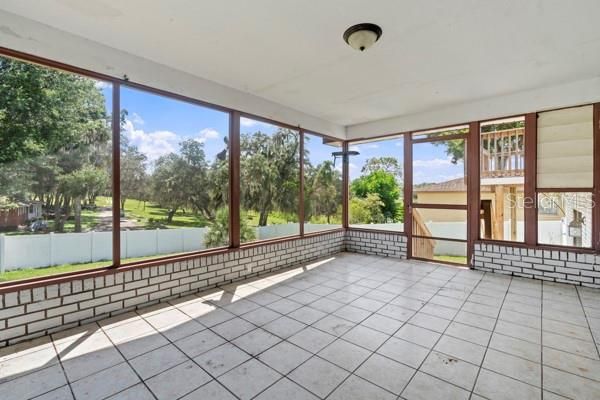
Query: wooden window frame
(234, 178)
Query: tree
(386, 164)
(53, 130)
(323, 191)
(87, 181)
(270, 171)
(133, 175)
(366, 210)
(218, 233)
(181, 179)
(168, 184)
(43, 110)
(218, 179)
(454, 148)
(385, 186)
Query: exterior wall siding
(565, 266)
(39, 311)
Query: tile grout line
(390, 336)
(233, 344)
(588, 322)
(490, 339)
(542, 342)
(63, 371)
(128, 364)
(189, 358)
(313, 355)
(430, 350)
(404, 323)
(418, 369)
(235, 315)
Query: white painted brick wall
(571, 266)
(376, 243)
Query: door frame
(471, 173)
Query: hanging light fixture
(362, 36)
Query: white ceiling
(432, 54)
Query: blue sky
(430, 163)
(158, 124)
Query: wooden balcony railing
(503, 153)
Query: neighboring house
(501, 207)
(502, 212)
(502, 199)
(11, 217)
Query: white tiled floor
(348, 327)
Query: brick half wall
(565, 266)
(376, 243)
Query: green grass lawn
(144, 213)
(19, 274)
(452, 259)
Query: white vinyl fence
(43, 250)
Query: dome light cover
(362, 36)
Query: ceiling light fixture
(362, 36)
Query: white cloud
(433, 163)
(372, 146)
(137, 119)
(247, 122)
(101, 85)
(354, 148)
(152, 144)
(206, 134)
(351, 166)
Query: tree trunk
(64, 216)
(123, 203)
(263, 217)
(77, 213)
(58, 227)
(170, 215)
(328, 219)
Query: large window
(376, 184)
(565, 167)
(322, 184)
(502, 174)
(174, 176)
(269, 181)
(55, 171)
